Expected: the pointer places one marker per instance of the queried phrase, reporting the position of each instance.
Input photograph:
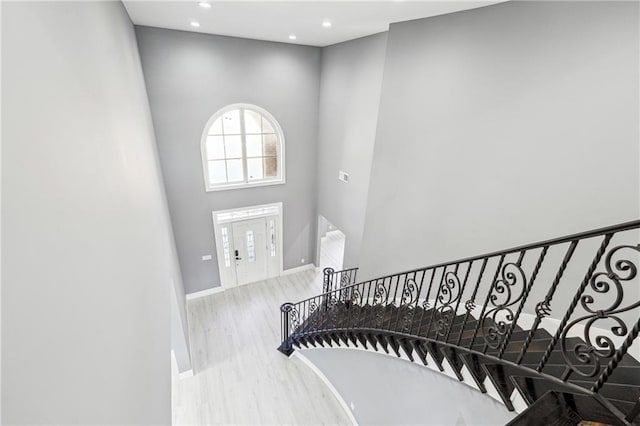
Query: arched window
(242, 145)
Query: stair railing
(339, 280)
(495, 290)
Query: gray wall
(350, 85)
(86, 244)
(500, 126)
(191, 76)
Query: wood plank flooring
(240, 377)
(332, 250)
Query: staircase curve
(548, 328)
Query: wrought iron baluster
(400, 305)
(455, 312)
(393, 299)
(326, 284)
(425, 302)
(542, 308)
(435, 302)
(616, 358)
(484, 307)
(370, 301)
(574, 301)
(411, 291)
(444, 311)
(494, 327)
(470, 304)
(525, 295)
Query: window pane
(217, 172)
(270, 145)
(215, 148)
(271, 167)
(266, 126)
(235, 172)
(231, 122)
(254, 145)
(252, 122)
(216, 127)
(233, 146)
(254, 166)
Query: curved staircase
(568, 355)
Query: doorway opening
(331, 243)
(248, 243)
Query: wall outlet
(206, 257)
(302, 260)
(344, 177)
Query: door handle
(238, 258)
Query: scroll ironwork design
(585, 358)
(409, 298)
(380, 296)
(450, 292)
(507, 292)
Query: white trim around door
(229, 260)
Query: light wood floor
(332, 250)
(240, 377)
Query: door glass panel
(225, 247)
(272, 237)
(251, 248)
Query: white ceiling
(276, 20)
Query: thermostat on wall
(343, 176)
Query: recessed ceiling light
(194, 24)
(327, 23)
(204, 5)
(292, 37)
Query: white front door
(250, 244)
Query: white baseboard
(204, 293)
(329, 385)
(307, 267)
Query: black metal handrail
(495, 291)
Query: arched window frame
(246, 183)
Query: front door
(250, 242)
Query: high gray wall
(500, 126)
(86, 244)
(191, 76)
(350, 85)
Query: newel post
(285, 347)
(327, 284)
